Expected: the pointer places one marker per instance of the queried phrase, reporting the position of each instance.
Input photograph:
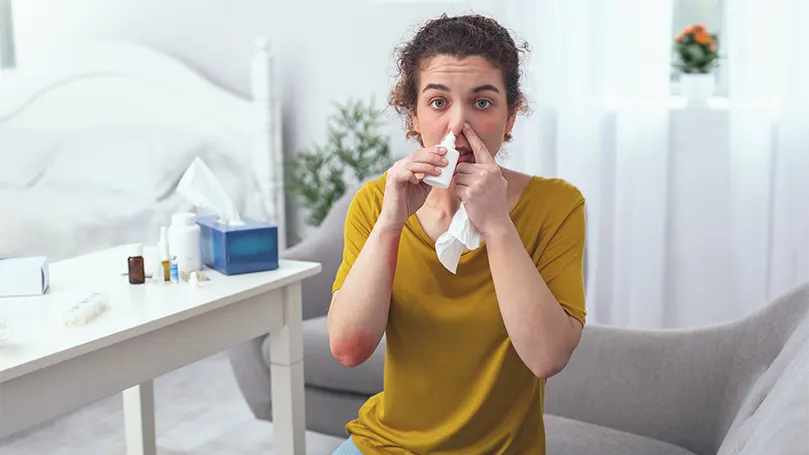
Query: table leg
(139, 419)
(286, 370)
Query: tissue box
(231, 250)
(23, 276)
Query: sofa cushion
(774, 416)
(573, 437)
(320, 369)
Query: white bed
(95, 136)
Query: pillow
(146, 160)
(24, 155)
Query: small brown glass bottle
(137, 273)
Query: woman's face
(454, 91)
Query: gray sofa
(735, 388)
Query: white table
(48, 369)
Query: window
(709, 13)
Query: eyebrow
(444, 88)
(484, 88)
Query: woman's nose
(457, 119)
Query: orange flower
(695, 29)
(712, 45)
(702, 38)
(679, 37)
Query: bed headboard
(115, 85)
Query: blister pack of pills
(85, 310)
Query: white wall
(328, 51)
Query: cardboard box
(232, 250)
(23, 276)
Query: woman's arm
(358, 313)
(542, 333)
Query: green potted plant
(696, 57)
(354, 151)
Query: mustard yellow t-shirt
(453, 382)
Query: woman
(467, 354)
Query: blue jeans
(347, 448)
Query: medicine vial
(452, 155)
(174, 274)
(137, 273)
(165, 258)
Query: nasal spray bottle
(452, 155)
(165, 258)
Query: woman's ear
(415, 121)
(512, 117)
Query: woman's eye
(438, 103)
(483, 104)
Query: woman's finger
(431, 155)
(437, 149)
(482, 154)
(467, 168)
(464, 179)
(461, 191)
(423, 168)
(408, 171)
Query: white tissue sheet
(461, 233)
(200, 186)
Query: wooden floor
(199, 411)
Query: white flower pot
(697, 87)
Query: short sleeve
(561, 262)
(363, 211)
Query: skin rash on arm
(352, 348)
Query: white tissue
(201, 187)
(461, 233)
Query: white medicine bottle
(184, 242)
(443, 180)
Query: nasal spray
(452, 155)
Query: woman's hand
(482, 187)
(405, 192)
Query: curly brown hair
(460, 37)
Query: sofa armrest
(658, 384)
(324, 245)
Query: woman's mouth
(466, 157)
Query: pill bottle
(137, 273)
(184, 243)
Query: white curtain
(6, 35)
(769, 138)
(598, 79)
(668, 245)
